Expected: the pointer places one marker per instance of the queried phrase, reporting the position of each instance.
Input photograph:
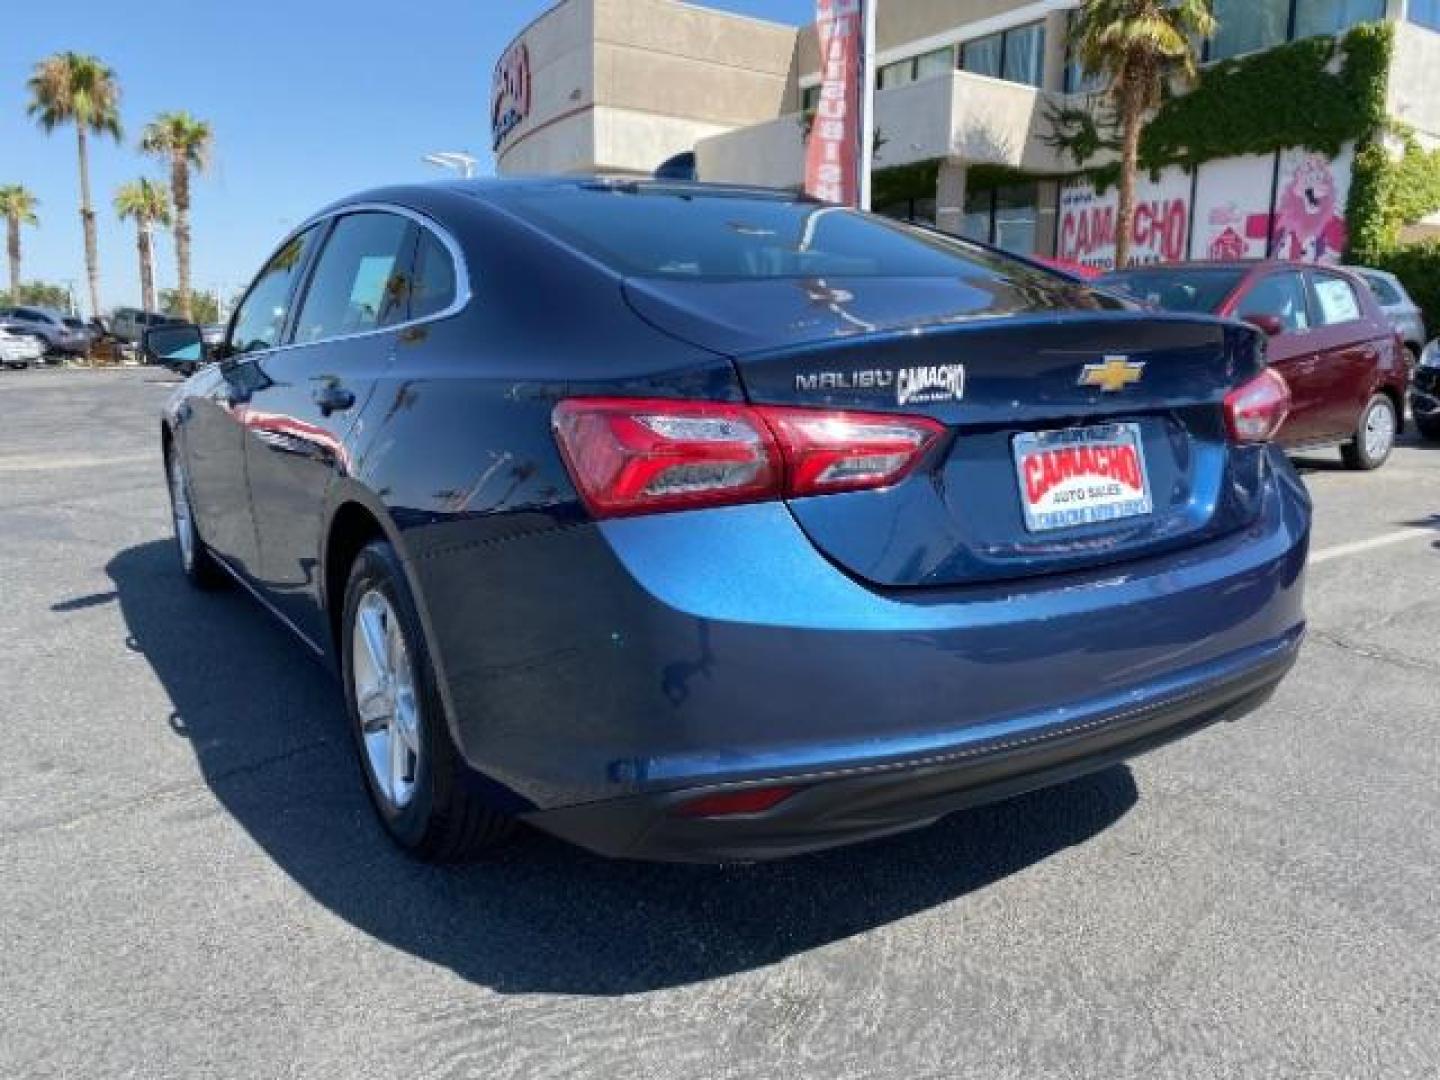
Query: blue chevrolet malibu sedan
(698, 523)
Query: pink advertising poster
(1232, 208)
(1233, 212)
(1309, 222)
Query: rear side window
(1386, 293)
(1203, 290)
(1281, 295)
(361, 281)
(260, 320)
(1335, 301)
(434, 287)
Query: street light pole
(867, 102)
(462, 163)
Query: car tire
(1374, 437)
(1429, 427)
(196, 562)
(416, 778)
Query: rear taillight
(1255, 411)
(637, 456)
(826, 452)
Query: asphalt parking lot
(194, 886)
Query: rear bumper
(849, 806)
(594, 676)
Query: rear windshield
(1176, 290)
(669, 233)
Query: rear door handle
(332, 398)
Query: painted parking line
(1340, 551)
(49, 464)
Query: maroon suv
(1328, 337)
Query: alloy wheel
(181, 514)
(1379, 433)
(385, 699)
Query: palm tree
(17, 206)
(73, 88)
(1138, 45)
(184, 142)
(148, 204)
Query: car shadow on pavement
(268, 731)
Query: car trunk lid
(1079, 435)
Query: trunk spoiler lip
(984, 324)
(978, 323)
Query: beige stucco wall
(562, 66)
(621, 85)
(959, 115)
(1415, 81)
(670, 58)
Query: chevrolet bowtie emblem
(1114, 375)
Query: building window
(939, 62)
(984, 56)
(1314, 17)
(809, 98)
(1016, 55)
(1025, 54)
(898, 74)
(915, 211)
(1247, 26)
(979, 215)
(915, 68)
(1006, 217)
(1425, 13)
(1077, 80)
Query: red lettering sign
(832, 154)
(1048, 469)
(510, 93)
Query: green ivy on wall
(1318, 93)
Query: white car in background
(19, 350)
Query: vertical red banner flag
(831, 158)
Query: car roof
(500, 189)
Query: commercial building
(966, 113)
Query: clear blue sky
(309, 99)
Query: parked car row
(129, 324)
(58, 334)
(1346, 364)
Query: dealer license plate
(1081, 476)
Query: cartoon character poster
(1309, 220)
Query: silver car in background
(48, 325)
(1404, 314)
(19, 350)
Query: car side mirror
(1269, 325)
(178, 345)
